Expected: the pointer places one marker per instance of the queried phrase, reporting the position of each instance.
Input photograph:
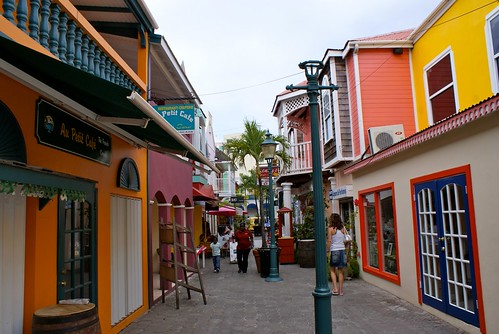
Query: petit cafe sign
(180, 116)
(60, 130)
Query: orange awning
(202, 192)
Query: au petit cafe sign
(180, 116)
(58, 129)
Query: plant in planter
(305, 239)
(352, 262)
(305, 230)
(304, 234)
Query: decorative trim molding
(453, 122)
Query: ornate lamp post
(268, 149)
(322, 293)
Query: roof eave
(458, 120)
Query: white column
(335, 206)
(286, 202)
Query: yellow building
(426, 203)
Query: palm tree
(248, 183)
(250, 144)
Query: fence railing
(301, 155)
(225, 187)
(52, 25)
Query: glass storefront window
(379, 232)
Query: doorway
(77, 255)
(447, 274)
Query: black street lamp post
(322, 293)
(268, 149)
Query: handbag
(348, 237)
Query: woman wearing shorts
(338, 259)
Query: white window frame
(493, 58)
(432, 63)
(327, 123)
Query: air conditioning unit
(382, 137)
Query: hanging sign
(264, 172)
(341, 192)
(180, 116)
(58, 129)
(236, 199)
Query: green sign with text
(180, 116)
(58, 129)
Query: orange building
(75, 136)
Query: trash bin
(265, 261)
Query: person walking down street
(338, 259)
(215, 254)
(244, 239)
(226, 238)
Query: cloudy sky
(239, 55)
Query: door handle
(443, 248)
(63, 283)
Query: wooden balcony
(62, 30)
(301, 155)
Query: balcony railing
(225, 187)
(301, 155)
(53, 26)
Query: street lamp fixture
(268, 150)
(322, 293)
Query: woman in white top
(338, 259)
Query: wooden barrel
(79, 319)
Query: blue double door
(445, 247)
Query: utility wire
(381, 46)
(251, 86)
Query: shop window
(12, 145)
(128, 177)
(379, 232)
(326, 112)
(441, 94)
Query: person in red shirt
(244, 239)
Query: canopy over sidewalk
(224, 210)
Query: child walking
(215, 254)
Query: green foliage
(249, 183)
(353, 268)
(306, 230)
(236, 220)
(352, 262)
(250, 145)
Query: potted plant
(305, 239)
(353, 267)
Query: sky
(238, 55)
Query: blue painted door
(445, 247)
